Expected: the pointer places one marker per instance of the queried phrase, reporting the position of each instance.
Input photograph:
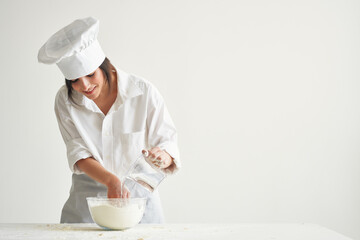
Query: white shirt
(137, 120)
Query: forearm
(96, 171)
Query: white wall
(265, 96)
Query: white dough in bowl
(117, 217)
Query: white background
(264, 94)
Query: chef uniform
(137, 120)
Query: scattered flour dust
(113, 217)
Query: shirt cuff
(76, 150)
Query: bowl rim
(114, 199)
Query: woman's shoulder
(144, 84)
(130, 80)
(149, 90)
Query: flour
(114, 217)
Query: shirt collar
(127, 89)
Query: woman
(106, 118)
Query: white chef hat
(74, 48)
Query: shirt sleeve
(161, 130)
(75, 145)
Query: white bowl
(116, 213)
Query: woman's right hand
(97, 172)
(114, 189)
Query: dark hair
(106, 67)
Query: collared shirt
(137, 120)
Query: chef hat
(74, 48)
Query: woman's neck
(108, 97)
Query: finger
(144, 151)
(164, 157)
(160, 164)
(153, 151)
(153, 155)
(156, 149)
(157, 164)
(126, 194)
(165, 160)
(158, 158)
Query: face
(91, 86)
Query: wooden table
(274, 231)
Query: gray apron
(76, 208)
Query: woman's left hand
(159, 158)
